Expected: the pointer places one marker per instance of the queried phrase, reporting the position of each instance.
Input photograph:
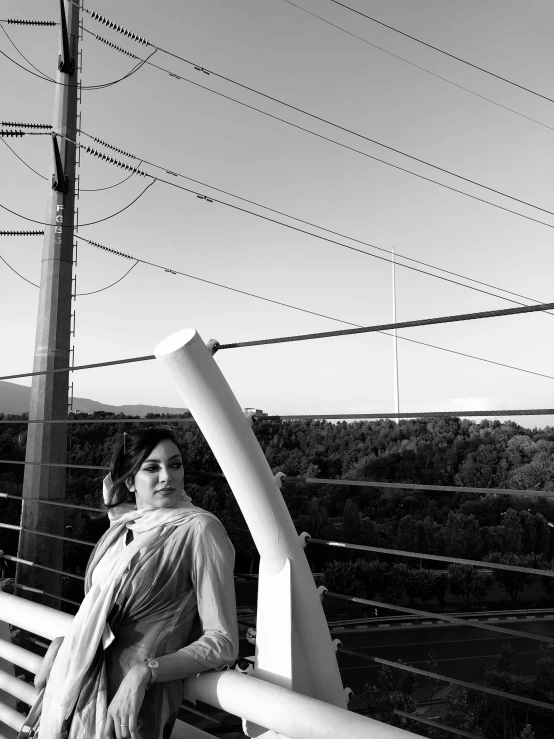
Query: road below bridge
(459, 651)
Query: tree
(340, 577)
(440, 586)
(512, 531)
(419, 584)
(407, 539)
(512, 581)
(527, 732)
(462, 536)
(318, 518)
(393, 691)
(461, 581)
(372, 576)
(351, 523)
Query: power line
(45, 77)
(81, 225)
(446, 53)
(347, 130)
(81, 189)
(322, 228)
(417, 66)
(18, 274)
(110, 187)
(78, 295)
(22, 160)
(488, 314)
(346, 146)
(108, 286)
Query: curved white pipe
(209, 398)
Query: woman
(159, 605)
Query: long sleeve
(212, 578)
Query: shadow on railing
(278, 709)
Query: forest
(491, 527)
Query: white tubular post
(15, 655)
(286, 712)
(11, 718)
(16, 687)
(293, 643)
(33, 617)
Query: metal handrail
(281, 710)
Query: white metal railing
(281, 710)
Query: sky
(277, 48)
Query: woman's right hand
(41, 678)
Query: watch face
(153, 663)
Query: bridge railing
(278, 709)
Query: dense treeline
(448, 452)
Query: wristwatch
(154, 665)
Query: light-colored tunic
(178, 596)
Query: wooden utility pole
(47, 443)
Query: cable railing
(445, 618)
(278, 709)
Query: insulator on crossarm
(115, 46)
(112, 147)
(25, 125)
(107, 248)
(30, 23)
(116, 162)
(12, 133)
(110, 24)
(21, 233)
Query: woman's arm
(41, 678)
(213, 582)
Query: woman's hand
(41, 678)
(125, 706)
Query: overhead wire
(81, 225)
(418, 66)
(347, 147)
(327, 230)
(442, 51)
(488, 314)
(47, 78)
(78, 295)
(22, 160)
(109, 187)
(350, 131)
(18, 274)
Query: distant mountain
(15, 399)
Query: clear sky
(272, 46)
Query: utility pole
(47, 443)
(395, 339)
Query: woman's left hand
(125, 706)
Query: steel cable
(443, 617)
(451, 680)
(435, 557)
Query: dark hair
(130, 451)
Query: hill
(15, 399)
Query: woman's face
(159, 482)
